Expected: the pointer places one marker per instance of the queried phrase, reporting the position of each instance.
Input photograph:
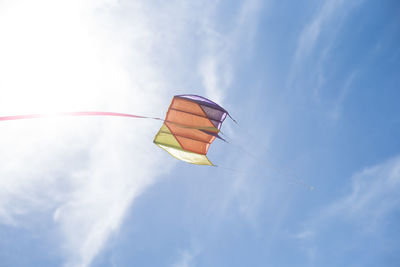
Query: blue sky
(315, 89)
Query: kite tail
(21, 117)
(77, 113)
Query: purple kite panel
(202, 100)
(214, 114)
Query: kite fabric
(192, 123)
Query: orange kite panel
(187, 119)
(187, 106)
(190, 133)
(193, 145)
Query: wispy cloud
(220, 46)
(113, 55)
(84, 173)
(374, 195)
(372, 200)
(311, 32)
(186, 258)
(312, 59)
(337, 108)
(305, 234)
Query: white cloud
(59, 55)
(337, 108)
(312, 46)
(373, 196)
(186, 258)
(368, 206)
(220, 48)
(92, 55)
(313, 55)
(310, 34)
(304, 235)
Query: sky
(314, 86)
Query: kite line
(292, 178)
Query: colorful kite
(192, 123)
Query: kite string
(291, 181)
(292, 177)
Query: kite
(192, 123)
(190, 126)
